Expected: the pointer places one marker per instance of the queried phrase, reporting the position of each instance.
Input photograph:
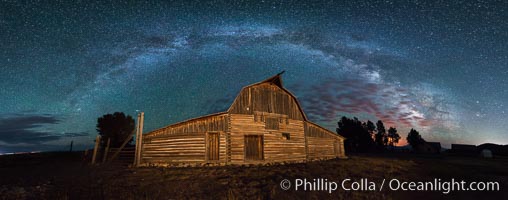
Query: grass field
(66, 176)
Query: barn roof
(186, 121)
(276, 80)
(436, 145)
(328, 131)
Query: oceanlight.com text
(437, 184)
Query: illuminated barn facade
(265, 124)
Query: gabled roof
(326, 130)
(185, 121)
(276, 80)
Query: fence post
(137, 142)
(139, 139)
(97, 141)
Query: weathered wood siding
(276, 147)
(185, 142)
(267, 98)
(321, 144)
(266, 114)
(197, 125)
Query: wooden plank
(182, 149)
(106, 151)
(182, 140)
(174, 151)
(96, 147)
(171, 146)
(176, 155)
(171, 161)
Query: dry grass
(64, 176)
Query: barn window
(286, 136)
(272, 123)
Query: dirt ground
(67, 176)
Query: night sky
(440, 67)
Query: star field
(437, 66)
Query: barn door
(212, 147)
(336, 148)
(253, 147)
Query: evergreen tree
(358, 139)
(414, 138)
(117, 127)
(380, 138)
(370, 128)
(393, 136)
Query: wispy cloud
(23, 128)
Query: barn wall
(321, 144)
(267, 98)
(188, 148)
(264, 109)
(184, 142)
(276, 147)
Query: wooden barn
(265, 124)
(428, 148)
